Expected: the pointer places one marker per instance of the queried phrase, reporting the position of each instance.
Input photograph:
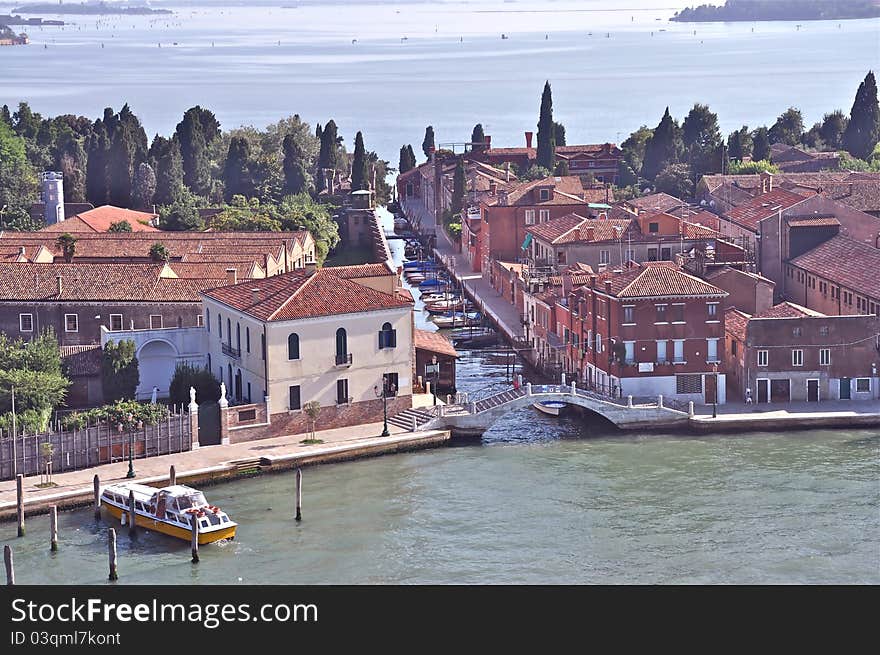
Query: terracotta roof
(655, 202)
(693, 231)
(214, 269)
(567, 190)
(657, 279)
(753, 211)
(107, 282)
(434, 342)
(360, 270)
(82, 361)
(575, 229)
(101, 218)
(736, 323)
(813, 221)
(787, 310)
(297, 295)
(846, 262)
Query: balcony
(343, 360)
(231, 352)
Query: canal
(539, 500)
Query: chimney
(255, 296)
(593, 279)
(60, 284)
(310, 268)
(591, 233)
(528, 139)
(21, 250)
(608, 287)
(488, 141)
(231, 276)
(493, 187)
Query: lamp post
(715, 396)
(383, 394)
(130, 473)
(436, 370)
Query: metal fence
(91, 446)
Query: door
(845, 389)
(709, 385)
(238, 389)
(780, 391)
(209, 424)
(812, 391)
(341, 347)
(763, 391)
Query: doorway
(780, 391)
(845, 389)
(710, 388)
(763, 390)
(812, 391)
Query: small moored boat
(550, 407)
(169, 510)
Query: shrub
(185, 376)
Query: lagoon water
(392, 68)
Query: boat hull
(551, 408)
(227, 532)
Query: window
(342, 392)
(155, 321)
(387, 336)
(115, 322)
(630, 348)
(219, 327)
(823, 331)
(797, 357)
(661, 314)
(666, 254)
(628, 314)
(796, 332)
(712, 310)
(200, 320)
(26, 322)
(342, 356)
(678, 351)
(652, 254)
(653, 227)
(678, 313)
(545, 194)
(208, 318)
(598, 343)
(389, 381)
(229, 331)
(734, 347)
(661, 352)
(263, 345)
(530, 217)
(294, 398)
(762, 358)
(71, 323)
(247, 338)
(604, 257)
(863, 385)
(293, 346)
(543, 215)
(711, 350)
(629, 255)
(824, 356)
(688, 384)
(238, 337)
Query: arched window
(342, 356)
(219, 327)
(293, 346)
(247, 338)
(208, 318)
(229, 332)
(238, 336)
(387, 336)
(209, 361)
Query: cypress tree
(296, 178)
(143, 187)
(71, 160)
(360, 175)
(478, 136)
(788, 128)
(411, 155)
(318, 131)
(194, 151)
(328, 154)
(739, 144)
(428, 145)
(546, 131)
(660, 147)
(863, 131)
(833, 128)
(119, 173)
(761, 145)
(459, 187)
(168, 166)
(403, 165)
(236, 169)
(96, 168)
(559, 133)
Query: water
(452, 71)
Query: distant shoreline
(97, 9)
(779, 10)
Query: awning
(527, 241)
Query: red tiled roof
(655, 202)
(297, 295)
(360, 270)
(107, 282)
(101, 218)
(434, 342)
(810, 221)
(753, 211)
(567, 190)
(657, 279)
(846, 262)
(574, 229)
(787, 310)
(736, 323)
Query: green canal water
(539, 500)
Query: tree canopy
(546, 156)
(863, 131)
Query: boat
(414, 277)
(440, 306)
(420, 265)
(169, 510)
(433, 284)
(550, 407)
(432, 297)
(456, 319)
(473, 337)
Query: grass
(45, 485)
(310, 441)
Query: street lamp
(130, 473)
(383, 394)
(436, 371)
(715, 397)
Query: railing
(343, 359)
(232, 352)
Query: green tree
(546, 157)
(207, 386)
(98, 148)
(18, 181)
(788, 128)
(459, 188)
(328, 153)
(478, 136)
(739, 144)
(119, 370)
(302, 211)
(561, 168)
(559, 133)
(67, 243)
(193, 140)
(633, 149)
(181, 215)
(143, 187)
(296, 175)
(428, 145)
(360, 176)
(660, 149)
(702, 140)
(675, 180)
(752, 167)
(128, 149)
(863, 131)
(71, 160)
(534, 172)
(761, 144)
(159, 253)
(167, 162)
(407, 159)
(120, 226)
(312, 409)
(236, 170)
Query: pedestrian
(748, 396)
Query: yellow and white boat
(169, 510)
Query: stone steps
(405, 418)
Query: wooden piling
(10, 569)
(132, 523)
(299, 494)
(19, 493)
(96, 483)
(111, 546)
(195, 538)
(172, 476)
(53, 528)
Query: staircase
(405, 418)
(499, 399)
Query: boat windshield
(196, 499)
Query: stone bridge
(471, 418)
